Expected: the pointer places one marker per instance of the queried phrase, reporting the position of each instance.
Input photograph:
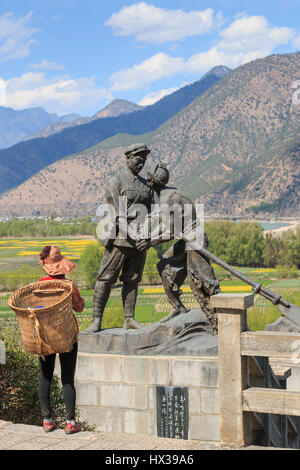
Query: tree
(150, 268)
(236, 243)
(90, 262)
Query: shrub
(19, 379)
(150, 268)
(90, 262)
(286, 272)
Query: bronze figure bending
(179, 262)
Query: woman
(57, 266)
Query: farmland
(26, 251)
(19, 266)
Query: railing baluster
(272, 404)
(233, 370)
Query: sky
(76, 56)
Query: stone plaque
(172, 412)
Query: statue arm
(161, 233)
(113, 192)
(164, 232)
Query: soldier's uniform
(120, 252)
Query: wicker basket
(44, 312)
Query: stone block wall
(117, 393)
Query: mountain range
(235, 148)
(116, 108)
(17, 125)
(24, 159)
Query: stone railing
(253, 396)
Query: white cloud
(46, 65)
(59, 94)
(158, 66)
(16, 36)
(155, 96)
(296, 42)
(247, 38)
(254, 34)
(2, 92)
(156, 25)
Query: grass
(264, 312)
(19, 266)
(26, 250)
(259, 316)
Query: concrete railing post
(233, 369)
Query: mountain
(24, 159)
(116, 108)
(17, 125)
(113, 109)
(69, 117)
(235, 148)
(56, 127)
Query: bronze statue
(120, 251)
(179, 262)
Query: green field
(19, 267)
(153, 307)
(15, 251)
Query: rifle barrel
(258, 288)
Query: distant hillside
(116, 108)
(26, 158)
(17, 125)
(236, 148)
(113, 109)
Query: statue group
(145, 212)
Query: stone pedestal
(186, 334)
(118, 372)
(117, 393)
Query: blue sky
(76, 56)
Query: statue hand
(142, 245)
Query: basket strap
(36, 326)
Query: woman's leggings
(67, 364)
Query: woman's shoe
(72, 428)
(49, 426)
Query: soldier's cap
(136, 149)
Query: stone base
(282, 324)
(187, 334)
(117, 393)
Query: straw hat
(55, 263)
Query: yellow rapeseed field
(70, 248)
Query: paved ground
(25, 437)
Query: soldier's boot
(174, 313)
(131, 324)
(174, 299)
(100, 298)
(129, 294)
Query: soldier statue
(121, 253)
